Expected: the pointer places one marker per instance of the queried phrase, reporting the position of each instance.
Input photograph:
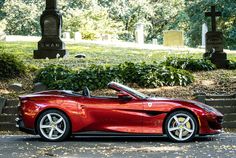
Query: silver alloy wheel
(52, 126)
(180, 129)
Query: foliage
(19, 21)
(91, 23)
(97, 77)
(53, 76)
(2, 14)
(189, 64)
(10, 66)
(129, 12)
(195, 11)
(232, 65)
(120, 17)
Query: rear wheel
(181, 126)
(53, 125)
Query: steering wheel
(86, 92)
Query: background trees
(120, 17)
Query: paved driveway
(223, 145)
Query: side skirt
(100, 133)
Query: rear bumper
(21, 126)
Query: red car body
(110, 114)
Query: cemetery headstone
(78, 36)
(154, 41)
(80, 56)
(139, 33)
(66, 35)
(39, 87)
(51, 23)
(214, 42)
(173, 38)
(2, 36)
(17, 87)
(106, 37)
(204, 31)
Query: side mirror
(123, 96)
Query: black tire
(172, 134)
(65, 123)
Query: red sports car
(55, 115)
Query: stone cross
(213, 14)
(214, 43)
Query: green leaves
(189, 64)
(10, 66)
(232, 65)
(22, 18)
(97, 77)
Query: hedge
(97, 77)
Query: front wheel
(53, 125)
(181, 126)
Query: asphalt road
(223, 145)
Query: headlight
(207, 108)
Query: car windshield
(131, 91)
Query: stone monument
(173, 38)
(204, 31)
(139, 34)
(51, 45)
(214, 42)
(78, 36)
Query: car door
(112, 114)
(153, 120)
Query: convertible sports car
(55, 115)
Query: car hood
(201, 105)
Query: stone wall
(226, 104)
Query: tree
(90, 22)
(196, 13)
(21, 18)
(168, 15)
(2, 14)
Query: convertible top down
(57, 114)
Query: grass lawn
(95, 54)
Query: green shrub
(97, 77)
(189, 64)
(54, 76)
(153, 76)
(232, 65)
(10, 66)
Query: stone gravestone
(214, 42)
(139, 34)
(204, 31)
(51, 45)
(173, 38)
(2, 36)
(78, 36)
(66, 35)
(154, 41)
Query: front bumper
(211, 124)
(21, 126)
